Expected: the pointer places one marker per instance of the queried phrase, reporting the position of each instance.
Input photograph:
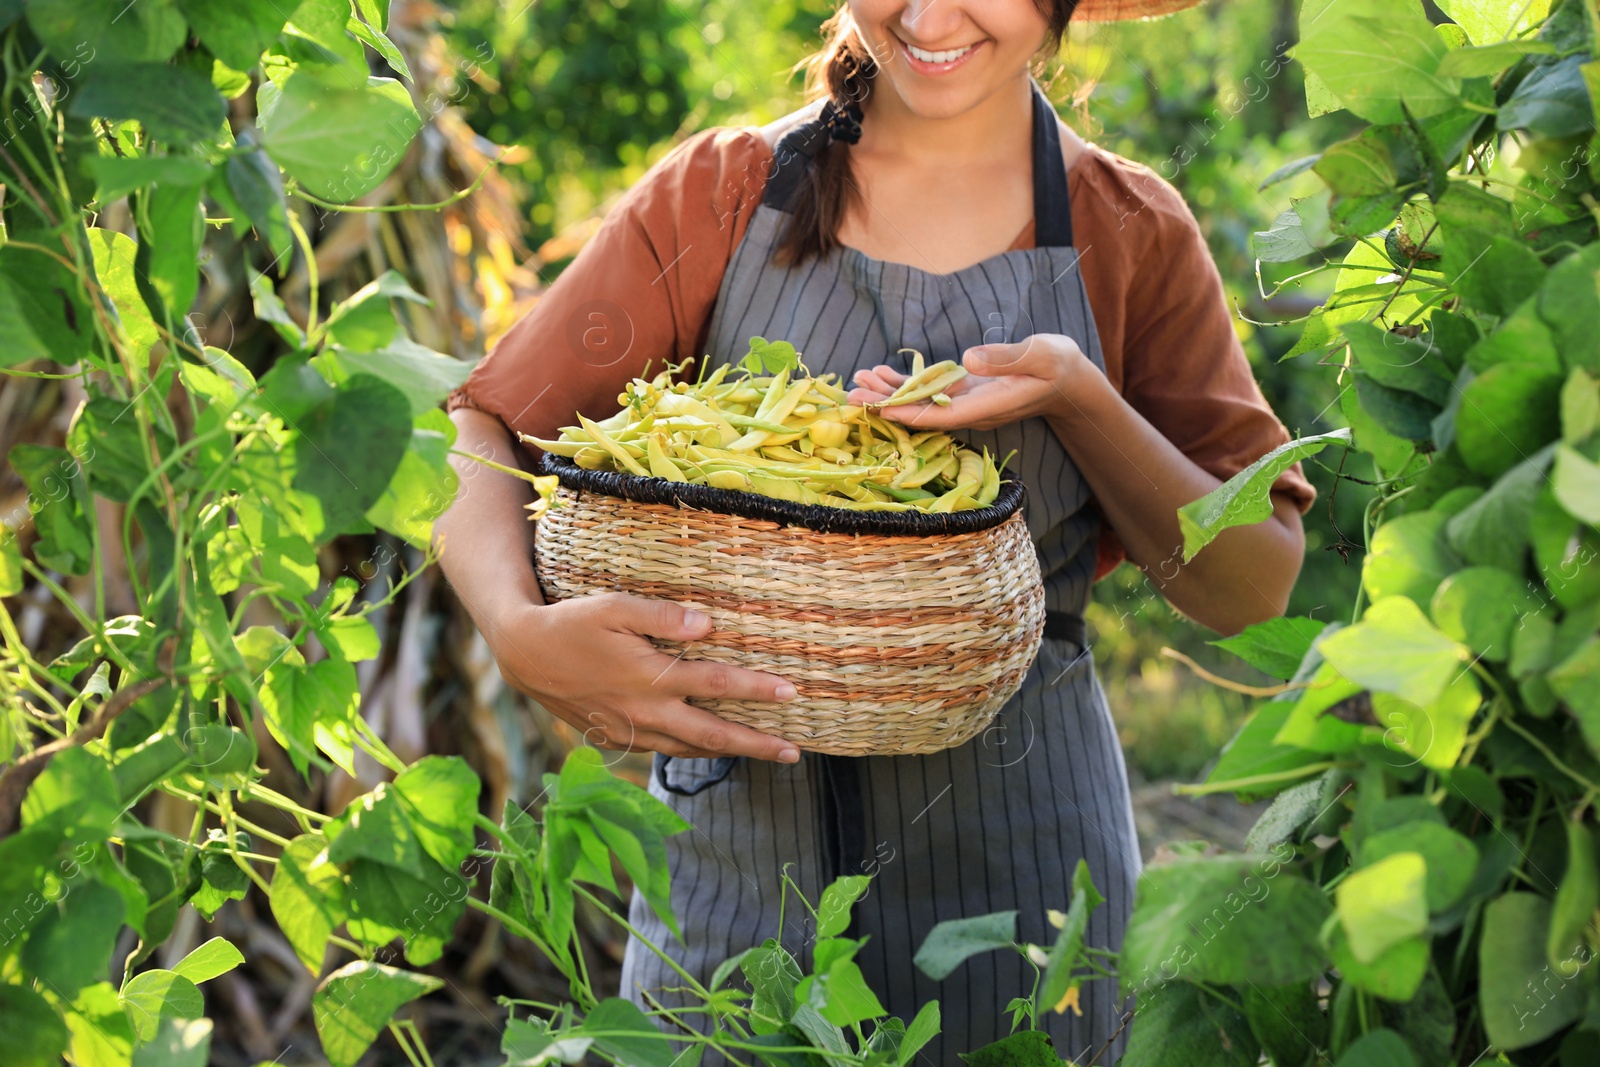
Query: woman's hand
(1005, 383)
(588, 660)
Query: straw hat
(1120, 10)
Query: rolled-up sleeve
(637, 297)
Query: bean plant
(1423, 889)
(140, 141)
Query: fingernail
(789, 755)
(694, 620)
(787, 691)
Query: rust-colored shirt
(642, 290)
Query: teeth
(937, 57)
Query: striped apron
(996, 824)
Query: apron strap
(1052, 213)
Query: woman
(1101, 348)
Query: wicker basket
(903, 632)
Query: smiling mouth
(948, 55)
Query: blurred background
(577, 98)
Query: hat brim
(1125, 10)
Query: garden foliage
(1423, 889)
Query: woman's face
(943, 57)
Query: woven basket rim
(817, 517)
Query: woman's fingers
(709, 734)
(719, 681)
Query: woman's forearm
(485, 540)
(1140, 479)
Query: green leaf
(366, 319)
(1253, 753)
(339, 142)
(32, 1034)
(421, 906)
(376, 826)
(1519, 1005)
(348, 448)
(47, 295)
(1576, 680)
(1287, 171)
(1403, 414)
(1395, 975)
(168, 261)
(1408, 556)
(1576, 483)
(1480, 607)
(1488, 60)
(1291, 810)
(1275, 646)
(1524, 337)
(354, 1003)
(101, 1035)
(923, 1028)
(256, 183)
(440, 795)
(75, 796)
(624, 1032)
(318, 34)
(117, 176)
(423, 486)
(18, 342)
(381, 45)
(1450, 859)
(236, 31)
(1373, 55)
(833, 912)
(1286, 241)
(952, 942)
(1552, 100)
(1395, 649)
(1065, 954)
(110, 449)
(1029, 1048)
(178, 1043)
(270, 309)
(307, 898)
(773, 975)
(1493, 273)
(1576, 900)
(70, 947)
(425, 377)
(1246, 497)
(1178, 1025)
(1286, 1021)
(115, 255)
(1580, 406)
(155, 995)
(1488, 22)
(215, 957)
(107, 31)
(221, 877)
(1223, 919)
(1397, 362)
(1378, 1048)
(176, 105)
(1507, 414)
(1494, 530)
(1383, 904)
(57, 498)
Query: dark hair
(843, 70)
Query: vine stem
(512, 923)
(1233, 785)
(216, 809)
(353, 209)
(1544, 750)
(694, 984)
